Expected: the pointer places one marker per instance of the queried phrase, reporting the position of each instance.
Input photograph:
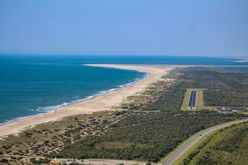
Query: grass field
(227, 146)
(199, 100)
(186, 100)
(200, 105)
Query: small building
(226, 110)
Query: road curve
(101, 161)
(195, 138)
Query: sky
(129, 27)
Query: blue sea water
(106, 59)
(32, 85)
(234, 68)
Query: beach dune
(98, 103)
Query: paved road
(170, 160)
(101, 161)
(192, 99)
(193, 140)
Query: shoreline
(56, 107)
(94, 104)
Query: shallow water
(31, 85)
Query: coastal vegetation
(154, 128)
(222, 88)
(146, 126)
(227, 146)
(32, 144)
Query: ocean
(31, 85)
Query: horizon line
(120, 55)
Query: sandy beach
(99, 103)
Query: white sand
(98, 103)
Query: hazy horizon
(121, 55)
(148, 28)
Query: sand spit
(95, 104)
